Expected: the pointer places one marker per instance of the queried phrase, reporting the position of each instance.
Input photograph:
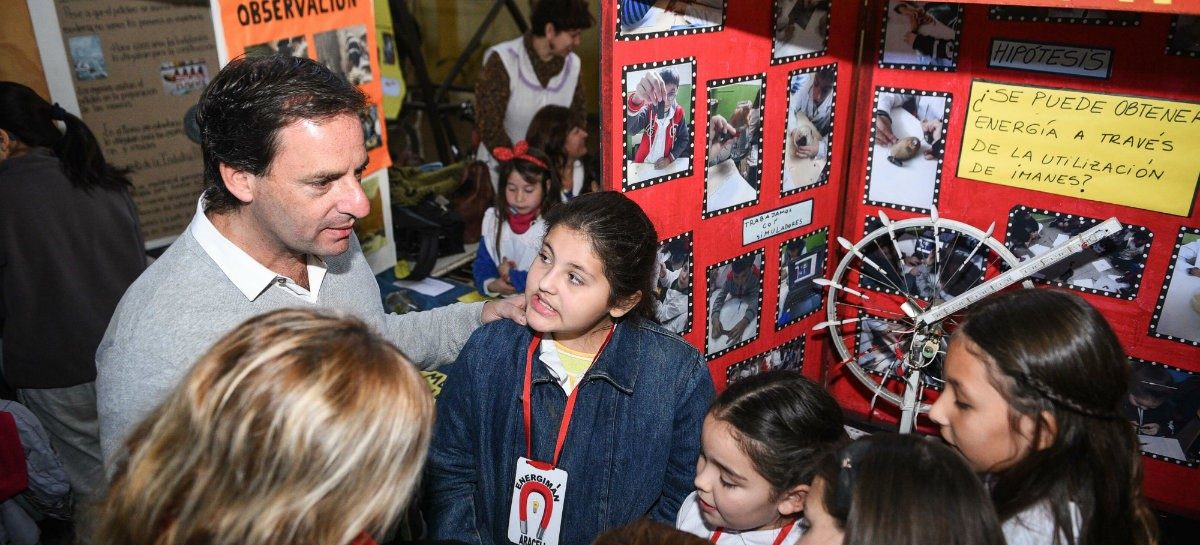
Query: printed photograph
(922, 35)
(673, 293)
(87, 55)
(1112, 266)
(921, 266)
(371, 126)
(734, 302)
(809, 136)
(787, 357)
(733, 172)
(344, 51)
(658, 123)
(1163, 405)
(1184, 38)
(801, 29)
(389, 47)
(648, 18)
(1064, 15)
(295, 46)
(1178, 316)
(908, 143)
(801, 260)
(181, 78)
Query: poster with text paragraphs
(130, 70)
(340, 34)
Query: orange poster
(338, 33)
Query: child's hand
(1150, 429)
(651, 88)
(735, 332)
(506, 265)
(883, 131)
(662, 163)
(501, 286)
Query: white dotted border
(625, 185)
(827, 171)
(792, 58)
(1171, 36)
(625, 37)
(937, 181)
(995, 13)
(1087, 223)
(711, 87)
(783, 273)
(798, 343)
(691, 256)
(1166, 284)
(708, 272)
(887, 10)
(1177, 461)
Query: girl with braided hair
(1034, 379)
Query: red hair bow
(520, 150)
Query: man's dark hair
(563, 14)
(669, 77)
(244, 107)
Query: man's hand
(509, 308)
(651, 88)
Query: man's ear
(239, 182)
(625, 305)
(792, 502)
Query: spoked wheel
(882, 287)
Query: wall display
(673, 292)
(801, 29)
(801, 260)
(131, 70)
(1163, 404)
(1064, 15)
(733, 169)
(1177, 315)
(1184, 38)
(735, 293)
(658, 136)
(908, 140)
(786, 357)
(808, 141)
(642, 19)
(1121, 149)
(1110, 267)
(920, 35)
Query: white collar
(247, 274)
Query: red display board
(1041, 118)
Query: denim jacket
(630, 450)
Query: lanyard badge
(540, 488)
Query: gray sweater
(184, 303)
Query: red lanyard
(567, 412)
(783, 533)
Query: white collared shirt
(251, 277)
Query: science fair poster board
(131, 70)
(341, 34)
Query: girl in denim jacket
(761, 439)
(585, 420)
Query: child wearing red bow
(512, 229)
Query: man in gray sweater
(283, 161)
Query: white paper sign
(1051, 58)
(779, 220)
